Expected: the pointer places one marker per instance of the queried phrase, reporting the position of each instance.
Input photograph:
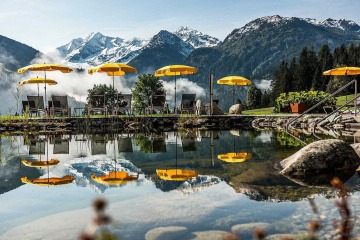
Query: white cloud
(264, 84)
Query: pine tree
(303, 76)
(313, 65)
(278, 85)
(254, 96)
(325, 60)
(265, 100)
(340, 56)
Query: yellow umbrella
(53, 181)
(114, 178)
(342, 71)
(345, 71)
(234, 157)
(113, 69)
(176, 174)
(175, 70)
(44, 67)
(234, 81)
(38, 81)
(40, 163)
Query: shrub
(310, 98)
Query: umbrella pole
(38, 100)
(176, 153)
(45, 95)
(356, 98)
(233, 93)
(175, 95)
(113, 81)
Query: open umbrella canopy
(175, 70)
(235, 157)
(176, 174)
(113, 69)
(114, 178)
(44, 67)
(38, 81)
(234, 80)
(342, 71)
(40, 164)
(53, 181)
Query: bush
(310, 98)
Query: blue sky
(47, 24)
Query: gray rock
(319, 162)
(282, 236)
(356, 147)
(235, 109)
(170, 232)
(248, 228)
(210, 235)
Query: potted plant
(297, 101)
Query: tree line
(304, 73)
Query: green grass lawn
(342, 99)
(267, 111)
(260, 111)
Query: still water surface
(205, 192)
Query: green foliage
(253, 99)
(305, 72)
(102, 89)
(286, 140)
(147, 86)
(143, 142)
(310, 98)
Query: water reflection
(210, 192)
(186, 161)
(49, 181)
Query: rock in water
(319, 162)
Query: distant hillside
(256, 49)
(163, 49)
(14, 55)
(97, 48)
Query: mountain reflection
(186, 162)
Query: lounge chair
(97, 105)
(58, 105)
(158, 104)
(35, 105)
(98, 144)
(123, 104)
(188, 103)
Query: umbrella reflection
(235, 157)
(176, 174)
(49, 181)
(40, 163)
(114, 178)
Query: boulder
(319, 162)
(170, 232)
(235, 109)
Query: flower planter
(298, 107)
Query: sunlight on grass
(260, 111)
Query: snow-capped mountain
(195, 38)
(276, 20)
(163, 49)
(256, 49)
(97, 48)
